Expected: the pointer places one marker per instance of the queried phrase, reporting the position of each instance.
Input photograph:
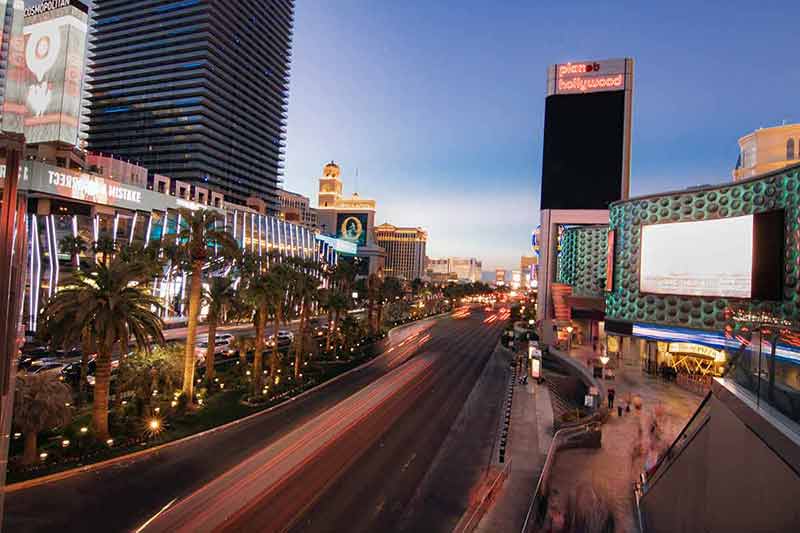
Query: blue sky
(439, 105)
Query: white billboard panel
(703, 258)
(55, 42)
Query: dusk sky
(440, 105)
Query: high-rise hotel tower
(195, 90)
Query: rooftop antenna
(357, 189)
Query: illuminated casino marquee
(91, 188)
(590, 76)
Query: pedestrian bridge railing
(585, 436)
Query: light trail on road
(212, 505)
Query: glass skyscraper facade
(196, 90)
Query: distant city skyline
(441, 108)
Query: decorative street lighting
(569, 339)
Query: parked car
(221, 347)
(284, 338)
(318, 327)
(45, 366)
(71, 373)
(35, 350)
(75, 352)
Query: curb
(72, 472)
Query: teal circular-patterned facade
(582, 262)
(772, 192)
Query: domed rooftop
(331, 170)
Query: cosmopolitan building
(67, 203)
(405, 251)
(172, 92)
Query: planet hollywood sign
(590, 76)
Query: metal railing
(698, 420)
(470, 521)
(561, 440)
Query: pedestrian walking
(611, 394)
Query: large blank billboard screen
(583, 150)
(704, 258)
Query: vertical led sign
(55, 45)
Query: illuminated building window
(790, 149)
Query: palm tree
(374, 282)
(388, 290)
(59, 331)
(257, 294)
(41, 402)
(335, 303)
(74, 246)
(105, 247)
(306, 290)
(219, 297)
(279, 280)
(110, 304)
(197, 238)
(149, 374)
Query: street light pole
(12, 268)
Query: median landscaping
(138, 424)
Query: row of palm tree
(109, 303)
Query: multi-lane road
(345, 457)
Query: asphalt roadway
(346, 457)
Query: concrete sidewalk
(627, 442)
(530, 434)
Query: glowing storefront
(693, 281)
(65, 203)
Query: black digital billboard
(582, 163)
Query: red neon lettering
(588, 84)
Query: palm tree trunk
(258, 356)
(195, 289)
(102, 384)
(29, 454)
(242, 345)
(212, 345)
(298, 354)
(84, 373)
(370, 313)
(330, 331)
(273, 360)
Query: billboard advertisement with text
(55, 42)
(703, 258)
